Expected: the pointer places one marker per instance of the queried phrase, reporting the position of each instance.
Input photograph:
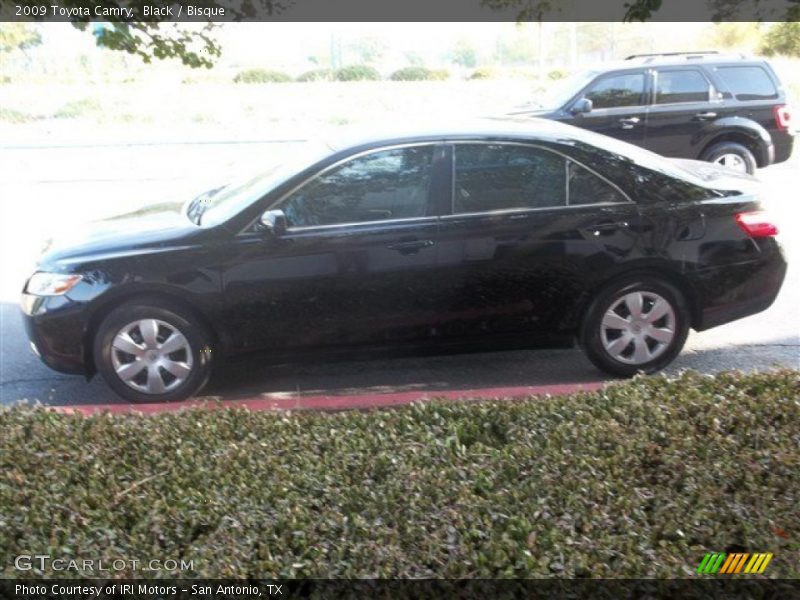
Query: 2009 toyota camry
(498, 233)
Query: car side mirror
(274, 221)
(584, 105)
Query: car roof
(503, 129)
(676, 60)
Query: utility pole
(541, 50)
(573, 45)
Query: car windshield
(560, 91)
(220, 204)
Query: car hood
(148, 229)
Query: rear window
(748, 82)
(681, 86)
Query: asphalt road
(52, 188)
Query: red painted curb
(279, 401)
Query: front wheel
(151, 353)
(637, 325)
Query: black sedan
(497, 234)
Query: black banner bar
(431, 589)
(120, 11)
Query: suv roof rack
(687, 54)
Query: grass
(639, 480)
(11, 115)
(78, 108)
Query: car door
(619, 106)
(356, 260)
(528, 232)
(684, 104)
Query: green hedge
(419, 74)
(483, 73)
(639, 480)
(261, 76)
(357, 73)
(317, 75)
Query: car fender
(758, 136)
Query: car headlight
(51, 284)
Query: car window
(587, 188)
(618, 90)
(681, 86)
(491, 177)
(748, 83)
(383, 185)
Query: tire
(737, 155)
(126, 336)
(598, 336)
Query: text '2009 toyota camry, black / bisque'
(499, 233)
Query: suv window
(618, 90)
(587, 188)
(681, 86)
(384, 185)
(491, 177)
(748, 83)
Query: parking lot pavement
(54, 197)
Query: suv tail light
(783, 117)
(756, 224)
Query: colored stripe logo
(737, 562)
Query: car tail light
(756, 224)
(783, 117)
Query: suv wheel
(640, 324)
(149, 353)
(731, 156)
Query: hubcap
(151, 356)
(638, 327)
(733, 162)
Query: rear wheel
(151, 353)
(731, 156)
(637, 325)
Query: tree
(782, 38)
(723, 10)
(463, 54)
(154, 37)
(194, 47)
(734, 36)
(644, 10)
(367, 49)
(18, 36)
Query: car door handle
(629, 122)
(411, 246)
(607, 228)
(704, 116)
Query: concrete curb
(279, 401)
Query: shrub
(317, 75)
(419, 74)
(261, 76)
(556, 74)
(77, 108)
(637, 480)
(357, 73)
(11, 115)
(483, 73)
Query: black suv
(702, 105)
